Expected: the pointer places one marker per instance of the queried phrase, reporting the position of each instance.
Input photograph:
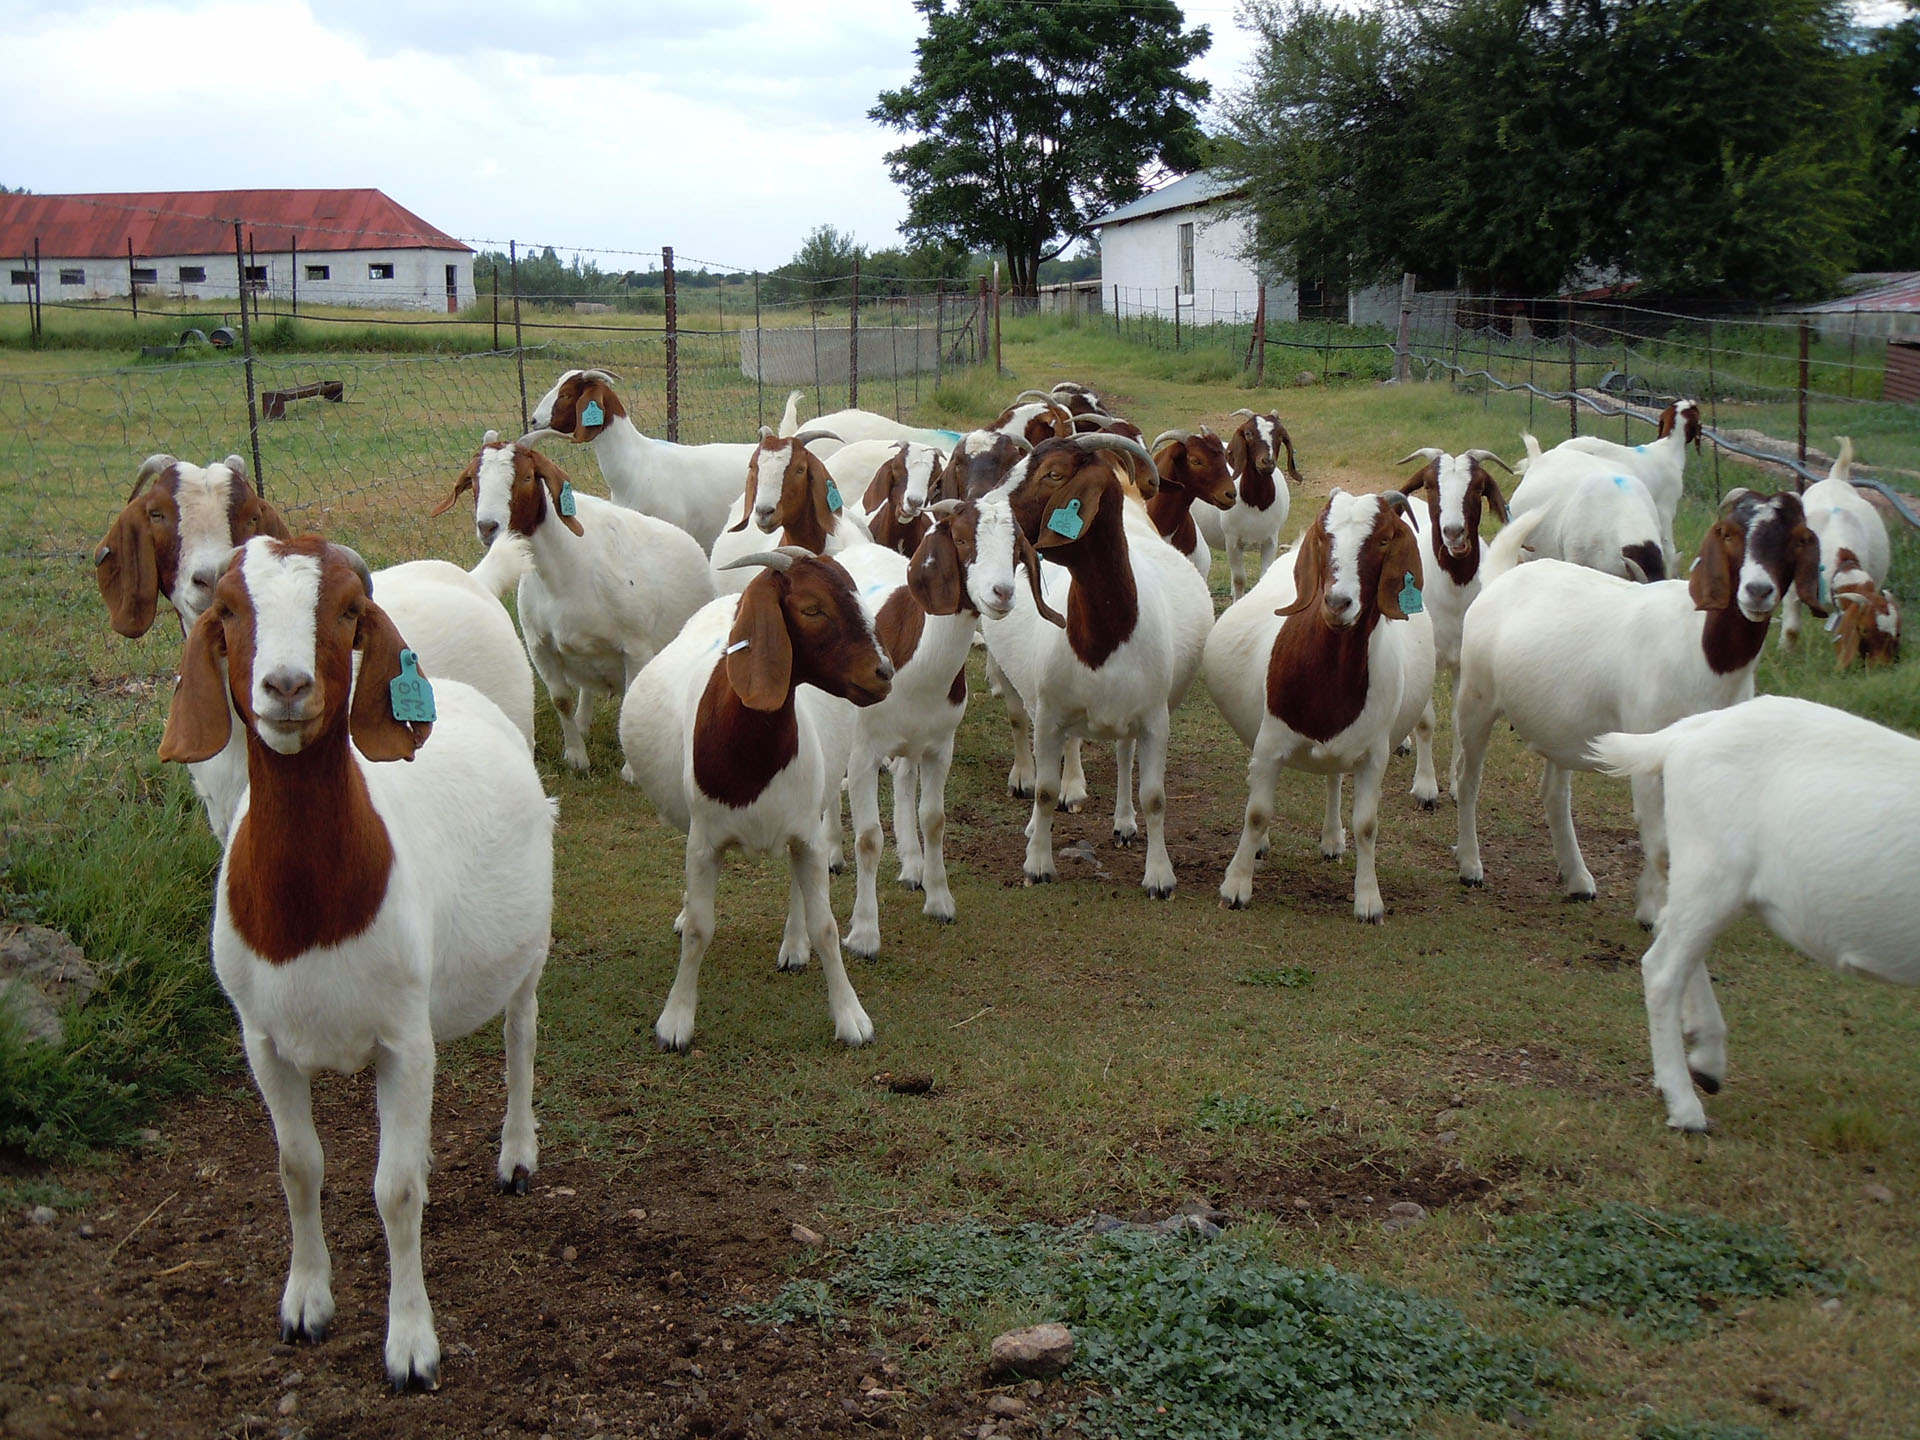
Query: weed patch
(1279, 977)
(1217, 1112)
(1664, 1275)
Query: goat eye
(158, 517)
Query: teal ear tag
(833, 497)
(1066, 521)
(592, 414)
(1825, 594)
(411, 694)
(567, 507)
(1410, 601)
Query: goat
(1866, 619)
(1844, 519)
(1191, 467)
(720, 736)
(1330, 689)
(1034, 416)
(1449, 529)
(365, 911)
(690, 486)
(791, 490)
(1566, 653)
(1259, 512)
(897, 480)
(853, 425)
(1077, 398)
(1136, 618)
(1751, 796)
(180, 527)
(606, 586)
(1660, 465)
(1594, 513)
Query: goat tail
(1533, 450)
(506, 560)
(1505, 550)
(790, 417)
(1624, 756)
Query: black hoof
(1706, 1082)
(1020, 792)
(1379, 919)
(913, 885)
(1261, 853)
(1585, 898)
(669, 1047)
(1033, 879)
(859, 954)
(518, 1184)
(941, 919)
(296, 1334)
(839, 869)
(427, 1379)
(1158, 892)
(1429, 804)
(1124, 838)
(1235, 904)
(1473, 884)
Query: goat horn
(352, 557)
(1394, 500)
(1022, 441)
(1489, 455)
(1165, 435)
(236, 464)
(531, 438)
(605, 375)
(1246, 412)
(946, 509)
(807, 437)
(1425, 452)
(781, 559)
(1732, 498)
(151, 466)
(1032, 394)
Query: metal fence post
(246, 344)
(673, 344)
(519, 350)
(1713, 410)
(133, 290)
(1116, 308)
(939, 316)
(759, 365)
(996, 318)
(853, 341)
(1573, 374)
(981, 307)
(1805, 330)
(1403, 347)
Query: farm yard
(1280, 1172)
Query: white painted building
(325, 247)
(1182, 245)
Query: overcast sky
(728, 129)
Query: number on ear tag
(1066, 521)
(412, 696)
(592, 414)
(833, 497)
(1410, 601)
(566, 503)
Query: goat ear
(555, 478)
(819, 482)
(880, 488)
(1030, 561)
(1237, 452)
(1490, 488)
(933, 575)
(128, 571)
(746, 498)
(1711, 583)
(468, 478)
(1431, 470)
(1070, 510)
(1309, 570)
(761, 672)
(596, 394)
(1401, 561)
(1806, 568)
(376, 734)
(199, 722)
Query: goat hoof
(1432, 802)
(312, 1334)
(1708, 1083)
(913, 885)
(1473, 882)
(837, 869)
(1124, 838)
(1159, 892)
(1580, 897)
(1033, 879)
(1020, 792)
(424, 1378)
(518, 1184)
(939, 919)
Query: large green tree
(1891, 238)
(1035, 116)
(1705, 147)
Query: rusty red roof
(200, 222)
(1888, 290)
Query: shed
(1903, 371)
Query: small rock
(1007, 1407)
(563, 1190)
(806, 1236)
(1831, 1308)
(289, 1403)
(148, 1136)
(40, 971)
(636, 1214)
(1040, 1350)
(42, 1215)
(1300, 1202)
(1446, 1137)
(569, 1254)
(1446, 1119)
(1457, 1101)
(1306, 377)
(1403, 1215)
(85, 1231)
(1879, 1194)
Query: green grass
(1092, 1051)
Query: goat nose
(486, 530)
(884, 670)
(1003, 592)
(287, 685)
(205, 578)
(1759, 592)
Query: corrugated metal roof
(200, 222)
(1895, 291)
(1195, 189)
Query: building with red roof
(329, 247)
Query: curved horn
(1020, 440)
(236, 464)
(781, 559)
(946, 509)
(1733, 497)
(530, 439)
(151, 466)
(1394, 500)
(1489, 455)
(1425, 452)
(352, 557)
(1165, 435)
(766, 432)
(807, 437)
(1246, 412)
(1030, 395)
(605, 376)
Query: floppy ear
(257, 517)
(1401, 560)
(761, 673)
(1711, 583)
(199, 723)
(1429, 471)
(1309, 569)
(128, 572)
(1491, 490)
(1237, 452)
(746, 498)
(1030, 560)
(554, 477)
(1078, 499)
(819, 479)
(1806, 568)
(880, 488)
(376, 734)
(592, 392)
(933, 575)
(466, 482)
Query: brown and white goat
(365, 910)
(721, 734)
(1866, 619)
(1331, 680)
(1192, 466)
(789, 490)
(1262, 499)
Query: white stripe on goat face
(493, 492)
(920, 462)
(1350, 520)
(993, 578)
(1269, 436)
(769, 469)
(285, 592)
(1756, 592)
(205, 499)
(1456, 474)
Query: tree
(1034, 118)
(1891, 239)
(1708, 148)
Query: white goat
(606, 588)
(1566, 653)
(1844, 519)
(1595, 513)
(691, 486)
(896, 481)
(791, 490)
(1263, 501)
(1660, 464)
(176, 536)
(855, 425)
(720, 734)
(1347, 687)
(1752, 795)
(364, 911)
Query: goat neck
(1103, 607)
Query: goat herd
(366, 910)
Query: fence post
(519, 350)
(1805, 329)
(939, 317)
(39, 318)
(759, 365)
(495, 267)
(293, 270)
(1116, 307)
(1403, 346)
(673, 344)
(1625, 390)
(246, 345)
(1713, 411)
(1176, 318)
(1486, 385)
(981, 311)
(996, 318)
(1573, 374)
(853, 341)
(133, 290)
